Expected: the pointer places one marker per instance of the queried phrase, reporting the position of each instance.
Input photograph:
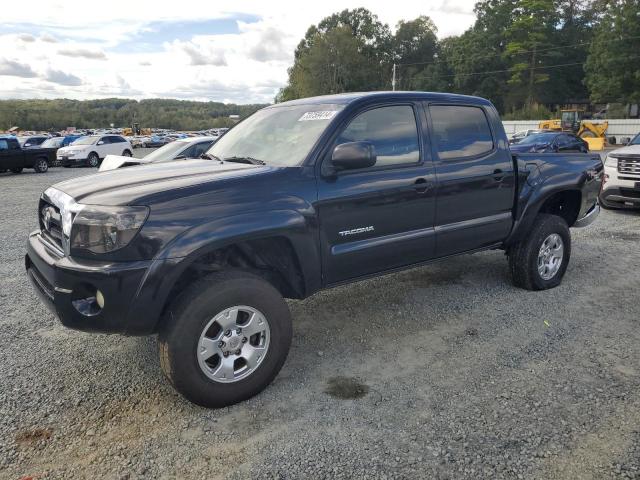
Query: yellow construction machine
(573, 121)
(135, 130)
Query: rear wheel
(17, 170)
(41, 165)
(225, 338)
(93, 160)
(539, 261)
(126, 153)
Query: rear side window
(460, 131)
(117, 140)
(391, 130)
(4, 145)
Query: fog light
(99, 299)
(87, 299)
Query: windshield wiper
(249, 160)
(209, 156)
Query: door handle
(421, 185)
(498, 175)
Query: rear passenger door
(476, 178)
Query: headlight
(105, 229)
(611, 161)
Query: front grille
(629, 165)
(50, 223)
(630, 193)
(40, 282)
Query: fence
(618, 128)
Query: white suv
(621, 184)
(92, 149)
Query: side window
(200, 148)
(117, 140)
(106, 140)
(4, 145)
(392, 131)
(13, 144)
(564, 140)
(460, 131)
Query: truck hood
(628, 150)
(135, 185)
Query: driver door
(381, 217)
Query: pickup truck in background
(299, 197)
(15, 158)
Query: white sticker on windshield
(321, 115)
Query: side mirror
(181, 157)
(352, 155)
(100, 142)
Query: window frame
(464, 158)
(332, 143)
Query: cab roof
(348, 98)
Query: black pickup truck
(299, 197)
(16, 159)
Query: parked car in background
(519, 136)
(155, 141)
(15, 158)
(301, 196)
(32, 141)
(58, 142)
(190, 147)
(91, 150)
(551, 142)
(621, 184)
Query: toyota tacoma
(299, 197)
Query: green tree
(346, 51)
(613, 64)
(530, 41)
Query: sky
(233, 52)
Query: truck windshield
(636, 140)
(280, 136)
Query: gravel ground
(445, 371)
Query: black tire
(17, 170)
(126, 153)
(41, 165)
(186, 319)
(523, 256)
(93, 160)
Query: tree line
(53, 115)
(524, 55)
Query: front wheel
(225, 338)
(126, 153)
(41, 165)
(93, 160)
(539, 261)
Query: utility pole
(393, 79)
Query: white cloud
(244, 64)
(62, 78)
(201, 55)
(26, 37)
(16, 69)
(83, 53)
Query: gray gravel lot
(445, 371)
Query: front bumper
(620, 197)
(61, 281)
(70, 161)
(588, 218)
